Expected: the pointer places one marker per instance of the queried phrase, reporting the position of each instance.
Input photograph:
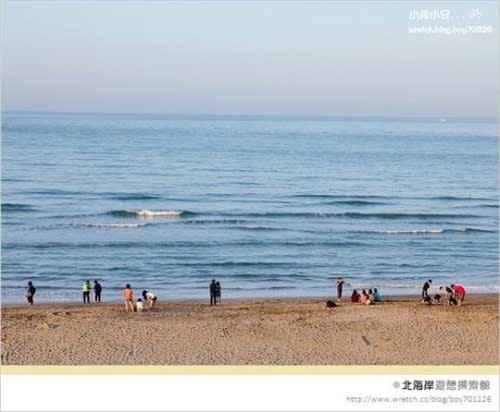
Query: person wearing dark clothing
(425, 289)
(97, 291)
(213, 293)
(30, 292)
(218, 291)
(340, 286)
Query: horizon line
(443, 118)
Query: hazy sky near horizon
(289, 58)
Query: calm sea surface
(271, 207)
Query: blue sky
(292, 58)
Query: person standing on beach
(128, 295)
(425, 290)
(86, 291)
(340, 286)
(97, 291)
(30, 292)
(213, 293)
(218, 291)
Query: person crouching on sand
(149, 297)
(448, 295)
(459, 293)
(355, 296)
(139, 305)
(128, 295)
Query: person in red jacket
(459, 293)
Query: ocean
(269, 206)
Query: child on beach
(355, 296)
(128, 295)
(139, 306)
(376, 295)
(30, 292)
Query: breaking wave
(151, 213)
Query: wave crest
(150, 213)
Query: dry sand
(399, 331)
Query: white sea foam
(111, 225)
(411, 232)
(253, 227)
(157, 213)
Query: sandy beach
(399, 331)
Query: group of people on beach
(448, 295)
(86, 288)
(139, 305)
(148, 299)
(365, 298)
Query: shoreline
(345, 299)
(292, 331)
